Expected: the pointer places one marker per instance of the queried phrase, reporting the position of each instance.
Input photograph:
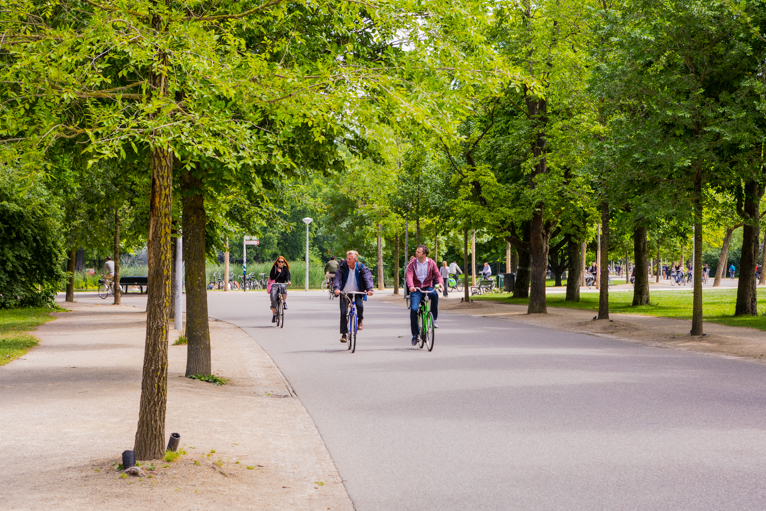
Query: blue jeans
(415, 297)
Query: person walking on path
(422, 273)
(279, 278)
(444, 272)
(352, 276)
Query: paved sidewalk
(70, 407)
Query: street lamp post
(307, 221)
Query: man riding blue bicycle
(423, 273)
(352, 276)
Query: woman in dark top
(280, 277)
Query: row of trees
(533, 122)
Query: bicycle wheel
(352, 333)
(323, 285)
(459, 286)
(430, 333)
(423, 329)
(103, 291)
(349, 328)
(281, 314)
(407, 300)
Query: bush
(32, 249)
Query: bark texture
(697, 328)
(197, 329)
(747, 293)
(117, 290)
(573, 271)
(641, 254)
(150, 435)
(521, 285)
(70, 279)
(380, 257)
(466, 290)
(603, 292)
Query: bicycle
(327, 284)
(427, 332)
(352, 319)
(105, 290)
(280, 305)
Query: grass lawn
(15, 325)
(717, 306)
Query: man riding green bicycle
(422, 273)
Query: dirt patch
(721, 340)
(70, 408)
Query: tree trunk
(507, 257)
(396, 265)
(659, 264)
(70, 278)
(173, 276)
(116, 279)
(762, 282)
(79, 262)
(573, 271)
(473, 257)
(583, 262)
(697, 256)
(150, 435)
(197, 329)
(747, 293)
(598, 256)
(723, 259)
(467, 295)
(514, 259)
(538, 242)
(627, 267)
(381, 285)
(603, 294)
(641, 253)
(226, 283)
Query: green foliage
(31, 248)
(210, 378)
(171, 456)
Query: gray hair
(354, 253)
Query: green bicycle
(425, 322)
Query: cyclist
(731, 271)
(108, 271)
(279, 277)
(352, 276)
(422, 273)
(486, 272)
(330, 269)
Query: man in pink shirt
(423, 273)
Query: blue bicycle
(352, 318)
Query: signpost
(247, 240)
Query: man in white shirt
(454, 269)
(486, 272)
(108, 270)
(352, 276)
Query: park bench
(139, 282)
(485, 286)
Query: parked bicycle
(427, 332)
(352, 318)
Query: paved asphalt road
(508, 416)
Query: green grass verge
(15, 325)
(717, 306)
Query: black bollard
(128, 459)
(173, 443)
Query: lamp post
(307, 221)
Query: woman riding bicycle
(279, 277)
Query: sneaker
(343, 338)
(284, 306)
(414, 340)
(361, 325)
(273, 318)
(435, 325)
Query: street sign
(252, 242)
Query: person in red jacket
(423, 273)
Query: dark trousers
(415, 297)
(359, 299)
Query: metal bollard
(128, 459)
(173, 443)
